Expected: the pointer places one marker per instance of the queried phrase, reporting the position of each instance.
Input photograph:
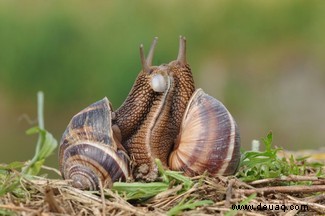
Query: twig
(166, 193)
(102, 196)
(310, 202)
(283, 189)
(221, 203)
(229, 192)
(51, 169)
(291, 213)
(186, 194)
(76, 193)
(240, 183)
(288, 178)
(317, 198)
(50, 199)
(227, 210)
(17, 208)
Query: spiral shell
(90, 151)
(208, 139)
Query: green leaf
(191, 204)
(8, 184)
(138, 190)
(35, 168)
(4, 189)
(12, 166)
(268, 141)
(6, 212)
(161, 171)
(33, 130)
(168, 176)
(49, 144)
(46, 145)
(180, 178)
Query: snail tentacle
(182, 50)
(152, 51)
(145, 66)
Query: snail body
(163, 117)
(155, 118)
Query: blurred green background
(263, 59)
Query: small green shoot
(169, 176)
(7, 212)
(8, 183)
(46, 143)
(138, 190)
(12, 166)
(142, 191)
(190, 204)
(8, 179)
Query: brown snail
(163, 117)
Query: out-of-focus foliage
(262, 59)
(75, 49)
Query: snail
(162, 117)
(90, 150)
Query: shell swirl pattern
(88, 152)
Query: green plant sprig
(189, 204)
(141, 191)
(46, 144)
(257, 165)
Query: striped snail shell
(208, 139)
(90, 149)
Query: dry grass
(42, 196)
(22, 194)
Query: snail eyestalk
(152, 51)
(145, 66)
(182, 50)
